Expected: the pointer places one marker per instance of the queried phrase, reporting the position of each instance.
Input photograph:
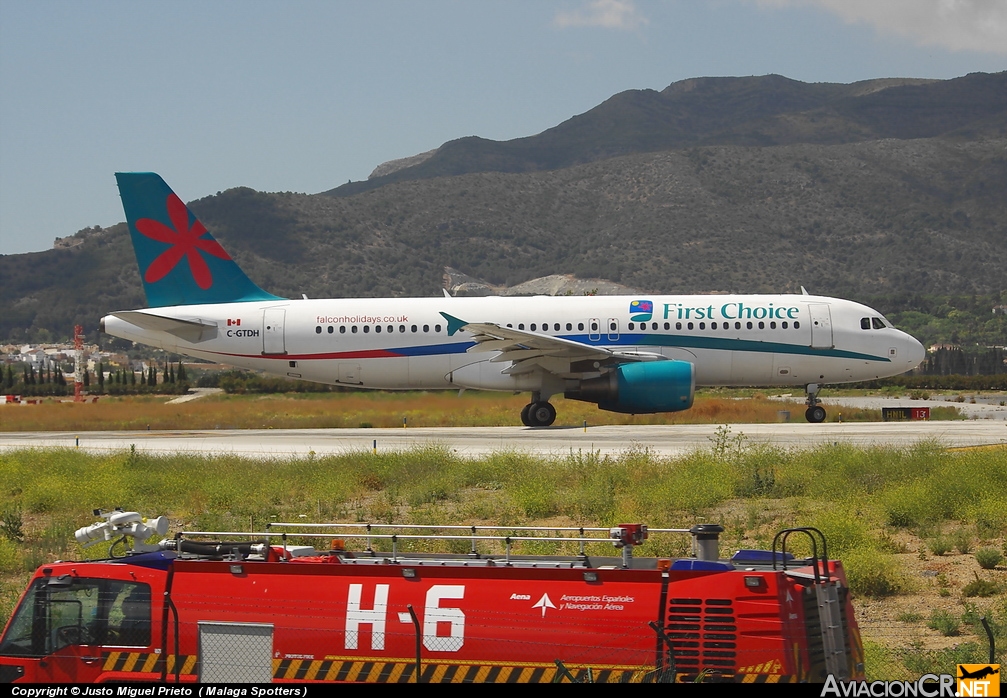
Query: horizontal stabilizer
(190, 330)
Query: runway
(478, 441)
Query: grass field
(383, 409)
(906, 521)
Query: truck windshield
(61, 611)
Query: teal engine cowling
(641, 388)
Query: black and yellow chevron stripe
(374, 670)
(146, 662)
(765, 678)
(402, 671)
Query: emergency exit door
(272, 331)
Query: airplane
(978, 673)
(638, 354)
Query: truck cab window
(59, 612)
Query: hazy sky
(303, 96)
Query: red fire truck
(240, 607)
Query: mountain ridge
(874, 217)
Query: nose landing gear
(815, 412)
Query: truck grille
(704, 635)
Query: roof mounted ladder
(830, 613)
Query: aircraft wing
(191, 330)
(528, 350)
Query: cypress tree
(24, 380)
(152, 375)
(132, 377)
(10, 376)
(87, 378)
(171, 374)
(101, 376)
(181, 372)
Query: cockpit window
(878, 324)
(62, 611)
(865, 323)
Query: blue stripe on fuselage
(664, 340)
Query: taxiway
(477, 441)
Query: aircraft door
(613, 329)
(272, 331)
(821, 326)
(594, 329)
(349, 373)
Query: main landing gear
(815, 412)
(538, 413)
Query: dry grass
(352, 410)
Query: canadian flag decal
(233, 322)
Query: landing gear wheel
(815, 415)
(524, 415)
(541, 414)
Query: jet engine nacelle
(641, 388)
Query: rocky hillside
(884, 189)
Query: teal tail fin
(180, 262)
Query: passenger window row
(726, 325)
(556, 327)
(378, 329)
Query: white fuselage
(404, 343)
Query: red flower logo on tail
(185, 242)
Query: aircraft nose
(915, 353)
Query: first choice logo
(730, 311)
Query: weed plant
(939, 546)
(944, 622)
(988, 558)
(981, 587)
(963, 541)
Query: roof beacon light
(128, 524)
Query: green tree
(101, 376)
(181, 372)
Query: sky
(305, 95)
